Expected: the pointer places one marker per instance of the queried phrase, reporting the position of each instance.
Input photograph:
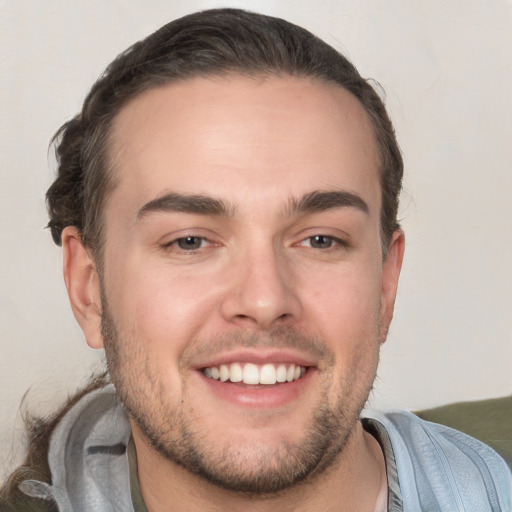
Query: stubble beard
(255, 470)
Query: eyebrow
(195, 204)
(315, 201)
(318, 201)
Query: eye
(322, 241)
(190, 243)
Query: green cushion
(490, 421)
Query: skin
(258, 286)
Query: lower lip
(262, 396)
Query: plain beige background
(446, 67)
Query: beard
(251, 468)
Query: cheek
(346, 302)
(345, 312)
(164, 310)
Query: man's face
(242, 239)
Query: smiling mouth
(249, 373)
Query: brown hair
(205, 43)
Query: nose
(263, 291)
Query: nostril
(260, 306)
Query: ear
(83, 285)
(390, 273)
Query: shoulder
(439, 467)
(31, 487)
(488, 420)
(26, 504)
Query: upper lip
(257, 356)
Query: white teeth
(249, 373)
(281, 373)
(235, 372)
(224, 373)
(268, 374)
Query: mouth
(255, 374)
(257, 378)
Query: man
(226, 202)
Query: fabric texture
(489, 420)
(436, 468)
(429, 467)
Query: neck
(352, 482)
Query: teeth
(280, 373)
(250, 373)
(235, 372)
(268, 374)
(224, 373)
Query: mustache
(278, 338)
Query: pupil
(189, 242)
(321, 241)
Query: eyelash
(335, 243)
(176, 243)
(180, 243)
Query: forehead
(243, 138)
